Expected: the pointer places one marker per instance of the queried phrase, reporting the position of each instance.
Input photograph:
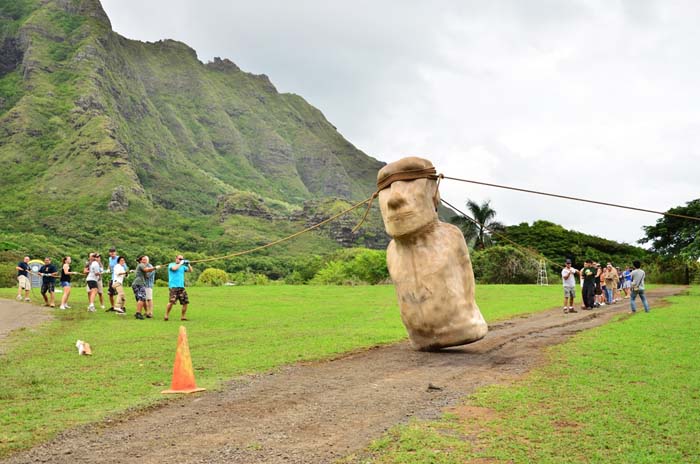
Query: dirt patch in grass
(320, 412)
(17, 315)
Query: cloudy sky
(591, 98)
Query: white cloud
(588, 98)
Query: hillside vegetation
(110, 141)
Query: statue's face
(407, 206)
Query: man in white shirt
(569, 281)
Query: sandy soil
(319, 412)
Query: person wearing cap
(569, 280)
(143, 268)
(428, 260)
(176, 286)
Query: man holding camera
(567, 276)
(176, 285)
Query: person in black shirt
(48, 273)
(23, 279)
(589, 276)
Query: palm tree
(478, 234)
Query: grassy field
(232, 331)
(625, 392)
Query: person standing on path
(116, 285)
(611, 280)
(568, 278)
(48, 273)
(23, 279)
(588, 274)
(176, 286)
(638, 276)
(627, 282)
(65, 281)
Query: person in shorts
(48, 273)
(93, 275)
(139, 285)
(176, 286)
(65, 281)
(116, 284)
(569, 280)
(23, 279)
(111, 292)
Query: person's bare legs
(91, 296)
(66, 294)
(184, 310)
(167, 310)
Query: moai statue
(428, 260)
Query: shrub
(369, 266)
(249, 278)
(504, 265)
(212, 277)
(333, 273)
(8, 275)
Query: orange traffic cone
(183, 374)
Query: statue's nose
(396, 198)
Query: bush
(369, 266)
(352, 267)
(212, 277)
(249, 278)
(504, 265)
(8, 275)
(333, 273)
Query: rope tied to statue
(408, 174)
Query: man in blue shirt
(176, 285)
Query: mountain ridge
(98, 128)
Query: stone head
(408, 196)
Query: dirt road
(319, 412)
(16, 315)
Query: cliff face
(99, 128)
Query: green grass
(47, 387)
(628, 392)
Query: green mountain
(106, 140)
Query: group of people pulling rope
(117, 271)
